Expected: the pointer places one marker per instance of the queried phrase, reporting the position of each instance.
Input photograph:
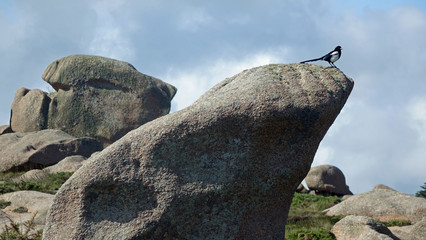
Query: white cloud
(192, 19)
(417, 116)
(240, 19)
(192, 83)
(109, 42)
(377, 138)
(193, 45)
(323, 155)
(109, 38)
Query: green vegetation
(422, 193)
(4, 204)
(397, 222)
(26, 232)
(306, 220)
(50, 184)
(20, 210)
(317, 234)
(8, 176)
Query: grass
(4, 204)
(25, 232)
(20, 210)
(306, 220)
(8, 176)
(317, 234)
(50, 184)
(397, 222)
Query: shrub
(422, 193)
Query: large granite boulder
(96, 97)
(382, 186)
(327, 179)
(29, 110)
(225, 167)
(361, 228)
(103, 97)
(382, 203)
(411, 232)
(25, 151)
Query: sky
(378, 138)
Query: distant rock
(68, 164)
(36, 203)
(26, 151)
(412, 232)
(419, 229)
(225, 167)
(102, 97)
(31, 175)
(327, 179)
(301, 189)
(382, 204)
(5, 129)
(344, 197)
(381, 186)
(361, 228)
(29, 110)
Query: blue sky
(379, 137)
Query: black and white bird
(330, 57)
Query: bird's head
(338, 48)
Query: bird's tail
(312, 60)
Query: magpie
(330, 57)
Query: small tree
(422, 193)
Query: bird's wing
(330, 55)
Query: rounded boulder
(327, 179)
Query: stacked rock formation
(97, 101)
(96, 97)
(226, 167)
